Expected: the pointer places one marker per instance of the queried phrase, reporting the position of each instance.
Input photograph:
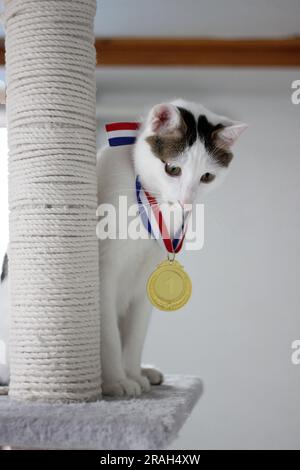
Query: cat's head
(183, 149)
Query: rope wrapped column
(53, 251)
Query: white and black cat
(182, 151)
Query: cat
(181, 152)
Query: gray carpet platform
(149, 422)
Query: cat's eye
(172, 170)
(207, 177)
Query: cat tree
(50, 72)
(53, 252)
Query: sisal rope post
(53, 251)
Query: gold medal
(169, 287)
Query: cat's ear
(228, 135)
(164, 118)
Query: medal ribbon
(124, 133)
(154, 223)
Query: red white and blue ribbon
(154, 223)
(125, 133)
(122, 133)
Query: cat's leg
(114, 380)
(154, 375)
(134, 328)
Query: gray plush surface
(149, 422)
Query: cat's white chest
(125, 264)
(131, 269)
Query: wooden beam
(199, 52)
(195, 52)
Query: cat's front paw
(141, 380)
(121, 388)
(154, 376)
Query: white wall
(236, 332)
(227, 18)
(198, 18)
